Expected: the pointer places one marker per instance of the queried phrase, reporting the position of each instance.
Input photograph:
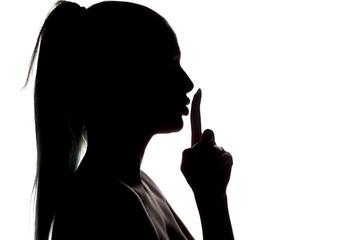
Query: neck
(118, 156)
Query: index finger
(195, 118)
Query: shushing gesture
(205, 165)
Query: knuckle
(196, 146)
(208, 131)
(218, 148)
(186, 152)
(227, 158)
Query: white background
(281, 90)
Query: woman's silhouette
(110, 75)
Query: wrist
(210, 196)
(212, 203)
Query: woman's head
(132, 68)
(112, 66)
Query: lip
(182, 103)
(185, 111)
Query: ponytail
(59, 128)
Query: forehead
(165, 44)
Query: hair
(74, 49)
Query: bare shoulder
(180, 230)
(151, 184)
(102, 210)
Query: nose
(188, 84)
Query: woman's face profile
(164, 99)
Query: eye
(176, 63)
(173, 65)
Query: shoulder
(151, 184)
(100, 210)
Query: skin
(118, 200)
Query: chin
(173, 126)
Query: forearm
(215, 219)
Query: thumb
(208, 137)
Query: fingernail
(199, 90)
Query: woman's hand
(206, 166)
